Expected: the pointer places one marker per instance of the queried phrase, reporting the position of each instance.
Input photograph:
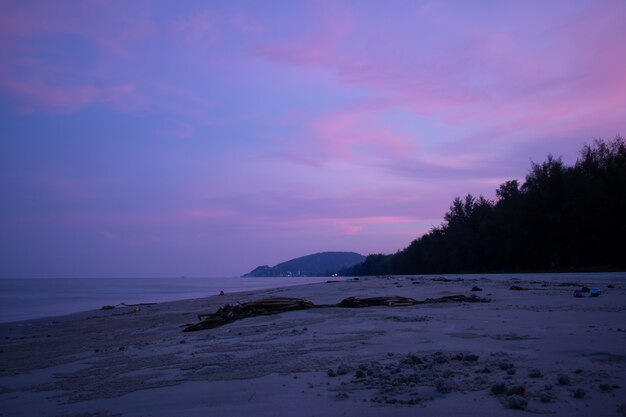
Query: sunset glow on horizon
(155, 138)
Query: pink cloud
(197, 28)
(183, 103)
(299, 159)
(108, 235)
(350, 132)
(55, 81)
(487, 75)
(55, 185)
(246, 23)
(94, 20)
(358, 225)
(39, 95)
(350, 230)
(178, 131)
(316, 44)
(208, 213)
(62, 99)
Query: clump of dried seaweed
(268, 306)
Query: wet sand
(538, 351)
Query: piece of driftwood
(268, 306)
(264, 307)
(456, 299)
(394, 301)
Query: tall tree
(561, 218)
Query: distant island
(318, 264)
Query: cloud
(344, 123)
(93, 20)
(508, 78)
(246, 23)
(178, 131)
(298, 159)
(39, 95)
(40, 75)
(197, 28)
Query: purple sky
(161, 138)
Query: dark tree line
(562, 218)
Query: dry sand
(561, 355)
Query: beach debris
(498, 388)
(476, 288)
(221, 293)
(579, 393)
(444, 387)
(343, 369)
(506, 365)
(135, 307)
(535, 373)
(411, 319)
(545, 396)
(443, 279)
(412, 360)
(355, 302)
(456, 298)
(563, 379)
(516, 390)
(264, 307)
(587, 292)
(517, 288)
(269, 306)
(440, 357)
(340, 396)
(517, 402)
(608, 388)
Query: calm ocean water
(28, 298)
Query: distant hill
(319, 264)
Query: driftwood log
(395, 301)
(264, 307)
(268, 306)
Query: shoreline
(30, 302)
(395, 361)
(135, 299)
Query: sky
(205, 138)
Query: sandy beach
(533, 350)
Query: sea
(30, 298)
